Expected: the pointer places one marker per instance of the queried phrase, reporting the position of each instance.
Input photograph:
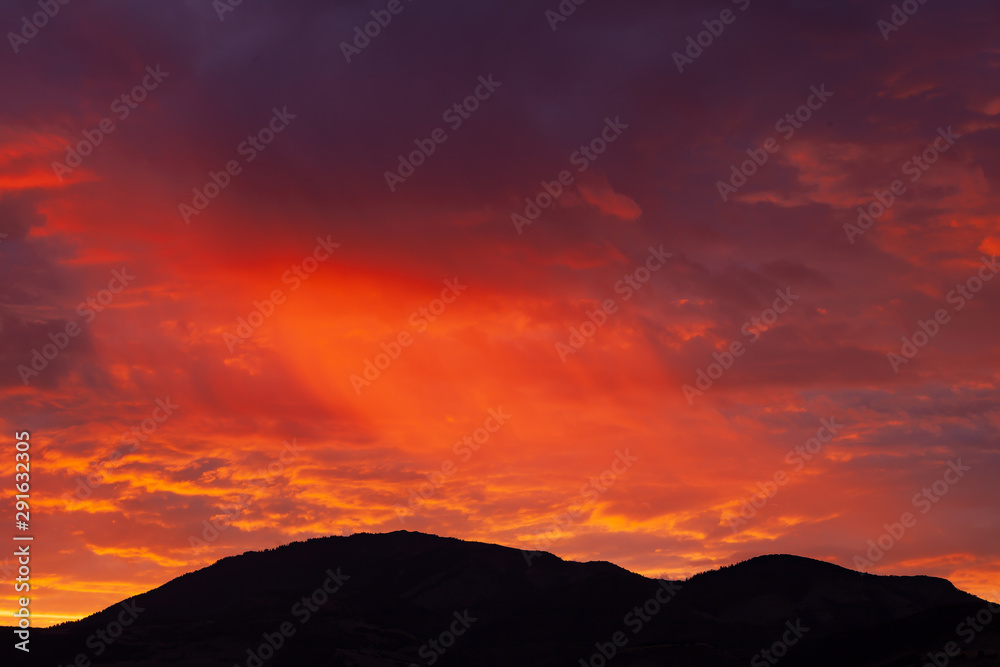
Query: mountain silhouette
(405, 598)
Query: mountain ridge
(385, 599)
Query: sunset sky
(431, 331)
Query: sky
(665, 284)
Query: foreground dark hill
(406, 598)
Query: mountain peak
(396, 591)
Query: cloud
(609, 202)
(324, 175)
